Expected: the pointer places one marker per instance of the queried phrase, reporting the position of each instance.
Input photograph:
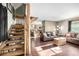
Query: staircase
(15, 45)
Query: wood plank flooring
(68, 49)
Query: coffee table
(59, 41)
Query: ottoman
(59, 41)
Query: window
(75, 26)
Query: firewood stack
(15, 45)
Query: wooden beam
(19, 16)
(27, 30)
(32, 18)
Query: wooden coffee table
(60, 41)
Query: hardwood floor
(68, 49)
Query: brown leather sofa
(72, 37)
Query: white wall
(50, 26)
(10, 20)
(64, 27)
(18, 20)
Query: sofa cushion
(71, 34)
(74, 35)
(68, 35)
(78, 36)
(49, 34)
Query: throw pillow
(78, 36)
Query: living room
(53, 31)
(56, 36)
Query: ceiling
(54, 11)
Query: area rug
(48, 50)
(56, 50)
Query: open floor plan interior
(39, 29)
